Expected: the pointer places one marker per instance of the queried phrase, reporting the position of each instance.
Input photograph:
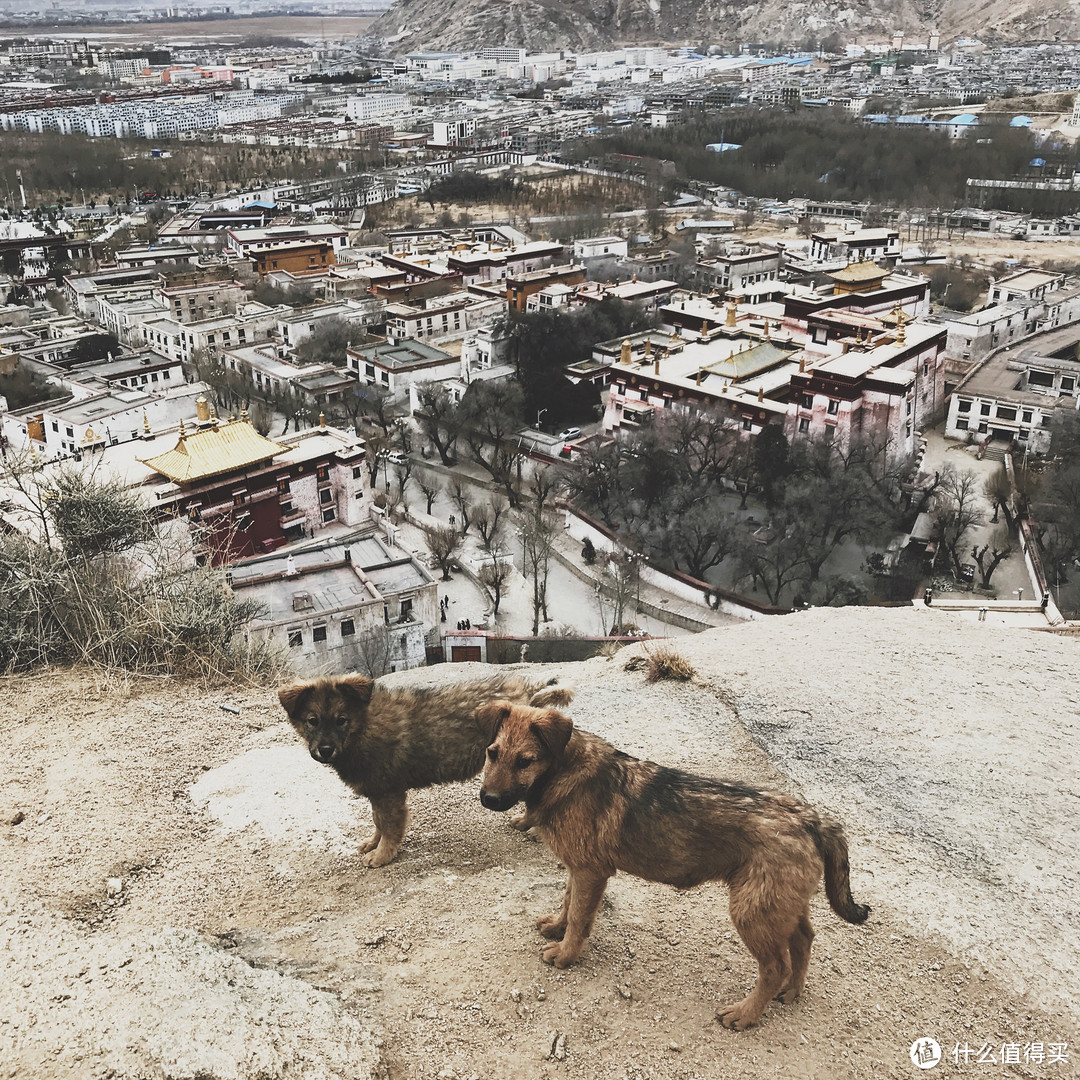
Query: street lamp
(539, 413)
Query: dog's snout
(496, 802)
(323, 752)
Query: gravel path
(180, 895)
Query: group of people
(444, 607)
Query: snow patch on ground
(287, 796)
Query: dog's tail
(832, 844)
(553, 695)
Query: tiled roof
(214, 450)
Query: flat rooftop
(323, 582)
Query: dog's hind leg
(799, 947)
(585, 890)
(766, 933)
(391, 815)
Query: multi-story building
(752, 271)
(294, 257)
(836, 372)
(860, 245)
(182, 340)
(520, 287)
(245, 494)
(364, 107)
(248, 243)
(459, 132)
(1014, 396)
(347, 605)
(441, 316)
(398, 365)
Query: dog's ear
(490, 717)
(553, 729)
(291, 696)
(356, 688)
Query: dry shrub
(665, 663)
(104, 589)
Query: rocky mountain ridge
(583, 25)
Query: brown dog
(600, 810)
(383, 742)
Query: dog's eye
(309, 721)
(341, 721)
(523, 762)
(492, 753)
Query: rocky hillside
(597, 24)
(180, 893)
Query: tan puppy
(382, 742)
(600, 810)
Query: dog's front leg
(554, 926)
(584, 891)
(391, 815)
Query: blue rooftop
(1020, 121)
(965, 118)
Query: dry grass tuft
(665, 663)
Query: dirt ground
(180, 894)
(983, 249)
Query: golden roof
(213, 451)
(859, 272)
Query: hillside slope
(180, 894)
(584, 25)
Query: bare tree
(494, 577)
(542, 487)
(956, 511)
(440, 419)
(998, 492)
(998, 548)
(402, 475)
(620, 582)
(459, 495)
(443, 542)
(428, 483)
(779, 562)
(26, 473)
(376, 448)
(373, 651)
(538, 537)
(700, 538)
(492, 413)
(490, 521)
(377, 405)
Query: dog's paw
(787, 996)
(551, 927)
(558, 956)
(521, 822)
(379, 857)
(735, 1017)
(370, 843)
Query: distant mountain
(539, 25)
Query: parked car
(569, 433)
(396, 457)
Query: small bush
(666, 664)
(103, 588)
